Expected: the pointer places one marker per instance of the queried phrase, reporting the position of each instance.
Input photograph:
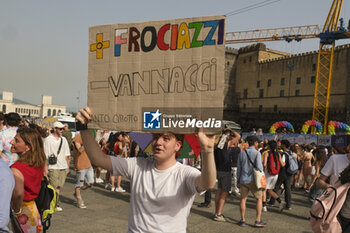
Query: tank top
(32, 179)
(116, 148)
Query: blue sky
(44, 44)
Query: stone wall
(269, 86)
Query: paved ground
(108, 212)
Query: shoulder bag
(259, 176)
(53, 157)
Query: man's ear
(178, 145)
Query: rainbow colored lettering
(178, 38)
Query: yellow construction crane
(329, 34)
(286, 33)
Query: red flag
(192, 140)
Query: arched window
(49, 112)
(4, 108)
(59, 111)
(54, 112)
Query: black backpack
(46, 202)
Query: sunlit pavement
(108, 212)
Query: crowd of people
(29, 152)
(319, 167)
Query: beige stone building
(265, 86)
(46, 109)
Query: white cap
(58, 124)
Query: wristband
(79, 126)
(20, 211)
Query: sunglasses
(59, 128)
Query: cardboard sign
(140, 72)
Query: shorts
(57, 177)
(224, 181)
(271, 180)
(245, 188)
(86, 175)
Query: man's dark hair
(252, 139)
(2, 117)
(273, 145)
(13, 119)
(286, 143)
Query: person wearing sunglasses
(58, 155)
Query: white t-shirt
(51, 145)
(334, 166)
(160, 199)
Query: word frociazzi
(178, 36)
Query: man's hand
(93, 151)
(206, 141)
(84, 115)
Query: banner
(301, 139)
(138, 72)
(339, 140)
(324, 140)
(46, 122)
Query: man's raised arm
(207, 179)
(96, 156)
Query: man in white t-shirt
(56, 148)
(162, 190)
(334, 166)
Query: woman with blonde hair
(28, 172)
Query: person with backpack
(28, 171)
(285, 174)
(273, 163)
